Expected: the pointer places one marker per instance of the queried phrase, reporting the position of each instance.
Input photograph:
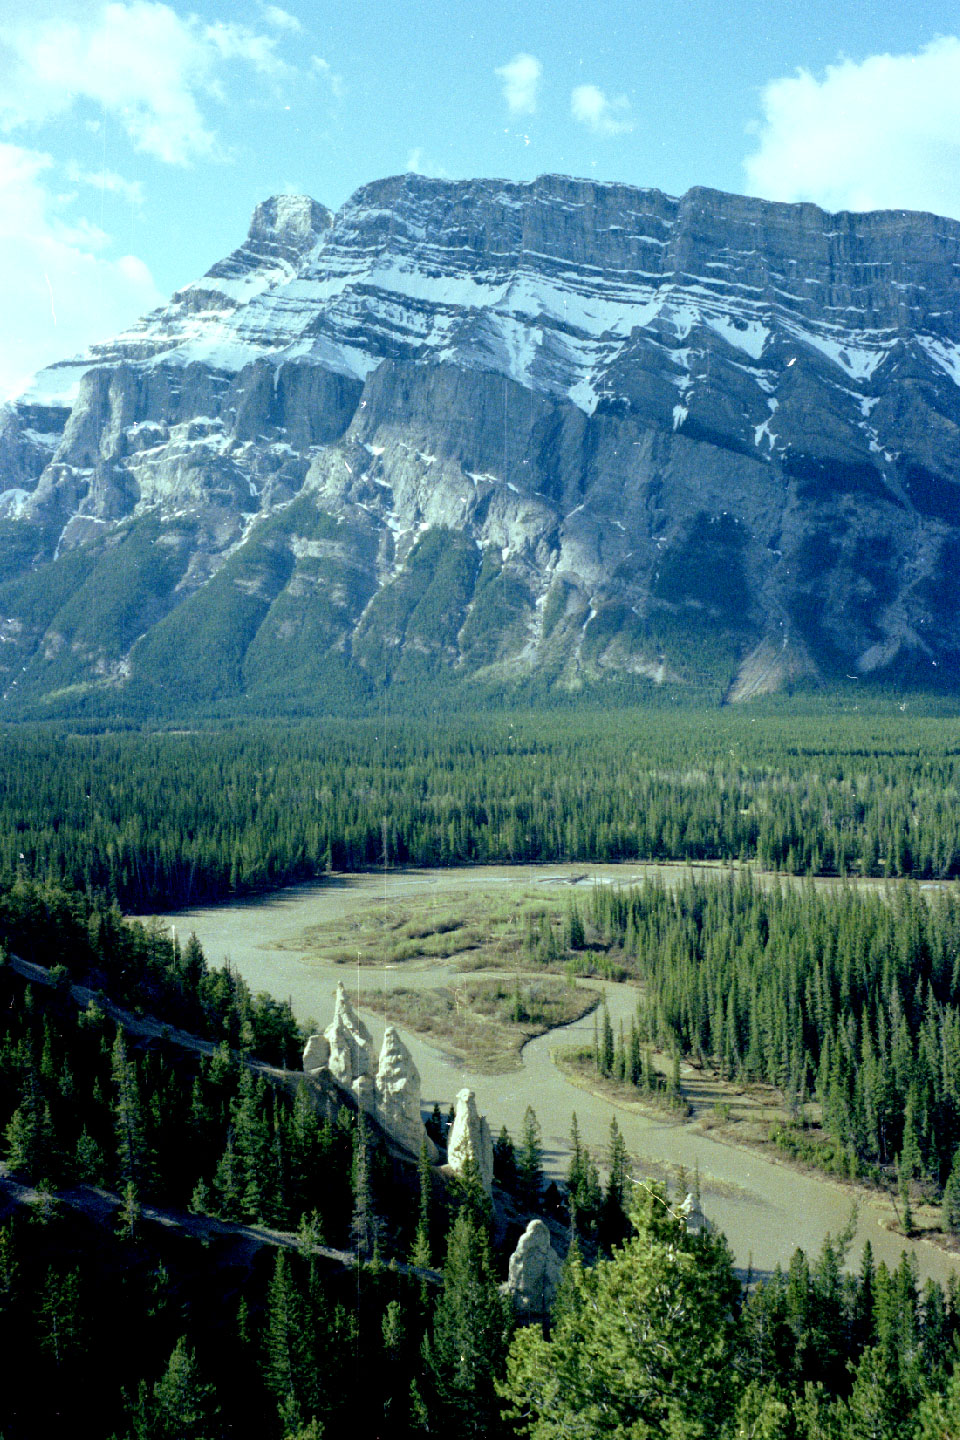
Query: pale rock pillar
(470, 1139)
(350, 1061)
(316, 1054)
(534, 1272)
(398, 1095)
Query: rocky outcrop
(316, 1054)
(496, 430)
(469, 1143)
(398, 1096)
(534, 1273)
(691, 1213)
(392, 1095)
(349, 1044)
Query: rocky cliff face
(481, 432)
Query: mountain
(474, 434)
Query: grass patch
(484, 1024)
(518, 927)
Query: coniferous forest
(851, 996)
(196, 1243)
(191, 1247)
(156, 821)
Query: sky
(136, 137)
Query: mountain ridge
(492, 431)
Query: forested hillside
(190, 1249)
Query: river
(765, 1207)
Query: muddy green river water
(765, 1208)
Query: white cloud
(107, 181)
(521, 82)
(324, 69)
(61, 285)
(420, 164)
(883, 133)
(603, 116)
(140, 61)
(280, 19)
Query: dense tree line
(154, 821)
(658, 1340)
(152, 1123)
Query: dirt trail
(102, 1206)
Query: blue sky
(136, 136)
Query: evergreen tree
(128, 1216)
(939, 1414)
(903, 1183)
(421, 1254)
(504, 1160)
(576, 939)
(465, 1349)
(606, 1047)
(182, 1405)
(575, 1171)
(951, 1198)
(642, 1343)
(89, 1165)
(530, 1160)
(58, 1317)
(29, 1132)
(615, 1225)
(364, 1223)
(128, 1121)
(283, 1342)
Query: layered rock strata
(486, 431)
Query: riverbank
(765, 1207)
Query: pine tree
(466, 1346)
(29, 1133)
(88, 1161)
(620, 1056)
(128, 1216)
(183, 1405)
(576, 939)
(606, 1051)
(283, 1332)
(128, 1122)
(364, 1223)
(939, 1415)
(951, 1198)
(504, 1160)
(641, 1344)
(58, 1316)
(615, 1225)
(529, 1160)
(903, 1182)
(574, 1170)
(635, 1064)
(420, 1253)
